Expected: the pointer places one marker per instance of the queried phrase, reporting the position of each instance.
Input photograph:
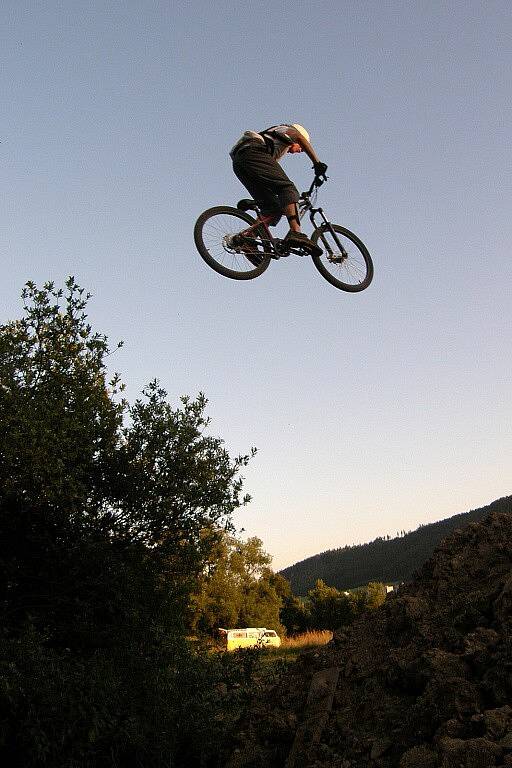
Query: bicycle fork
(343, 254)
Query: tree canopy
(116, 541)
(237, 587)
(103, 508)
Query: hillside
(387, 561)
(422, 682)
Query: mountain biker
(255, 163)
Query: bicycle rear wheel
(215, 236)
(345, 261)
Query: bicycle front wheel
(215, 236)
(345, 261)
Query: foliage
(375, 594)
(330, 609)
(109, 707)
(295, 614)
(103, 508)
(236, 588)
(226, 687)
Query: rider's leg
(267, 182)
(267, 219)
(295, 236)
(291, 212)
(265, 179)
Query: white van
(249, 637)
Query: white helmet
(301, 130)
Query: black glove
(320, 168)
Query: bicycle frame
(243, 254)
(305, 206)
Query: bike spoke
(344, 261)
(352, 269)
(216, 235)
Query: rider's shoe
(301, 240)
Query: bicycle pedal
(279, 248)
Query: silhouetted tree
(102, 508)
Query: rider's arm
(298, 138)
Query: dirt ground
(425, 681)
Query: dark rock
(506, 741)
(497, 721)
(470, 753)
(426, 679)
(421, 756)
(379, 747)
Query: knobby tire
(352, 275)
(233, 220)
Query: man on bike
(255, 163)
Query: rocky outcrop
(423, 682)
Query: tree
(375, 594)
(330, 608)
(237, 587)
(102, 509)
(295, 614)
(217, 598)
(260, 605)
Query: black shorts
(264, 179)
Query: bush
(103, 508)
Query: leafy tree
(237, 587)
(260, 605)
(375, 594)
(103, 506)
(217, 597)
(329, 607)
(295, 615)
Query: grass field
(291, 647)
(307, 639)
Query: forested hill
(383, 560)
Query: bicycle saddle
(246, 205)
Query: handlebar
(317, 182)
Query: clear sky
(372, 412)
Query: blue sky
(372, 413)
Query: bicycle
(246, 254)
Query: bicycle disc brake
(337, 259)
(238, 243)
(337, 256)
